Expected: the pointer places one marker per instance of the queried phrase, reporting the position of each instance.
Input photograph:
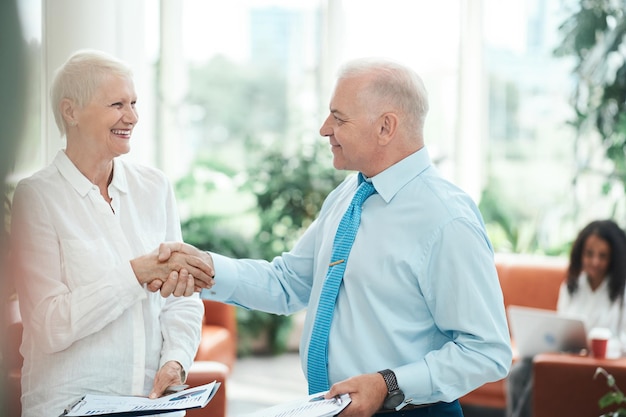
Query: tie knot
(365, 190)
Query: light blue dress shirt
(420, 294)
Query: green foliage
(204, 167)
(594, 39)
(509, 229)
(595, 36)
(615, 397)
(289, 191)
(244, 112)
(208, 233)
(256, 325)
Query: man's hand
(171, 275)
(167, 250)
(367, 392)
(171, 373)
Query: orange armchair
(219, 334)
(216, 356)
(526, 280)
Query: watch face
(394, 399)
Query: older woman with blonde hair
(101, 313)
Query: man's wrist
(395, 396)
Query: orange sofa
(564, 384)
(525, 280)
(214, 360)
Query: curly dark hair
(610, 232)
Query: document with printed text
(124, 406)
(312, 406)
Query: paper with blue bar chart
(125, 406)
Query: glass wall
(262, 74)
(530, 143)
(238, 84)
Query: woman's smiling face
(596, 258)
(107, 121)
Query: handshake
(175, 268)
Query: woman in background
(85, 232)
(592, 292)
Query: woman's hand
(178, 284)
(171, 373)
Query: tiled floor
(259, 382)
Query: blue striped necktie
(317, 371)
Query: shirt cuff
(129, 285)
(225, 279)
(181, 358)
(412, 385)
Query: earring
(73, 123)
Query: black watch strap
(395, 396)
(390, 380)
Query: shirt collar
(80, 183)
(119, 176)
(391, 180)
(585, 281)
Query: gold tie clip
(340, 261)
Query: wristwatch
(395, 396)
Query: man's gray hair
(392, 85)
(79, 78)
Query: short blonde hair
(393, 84)
(80, 77)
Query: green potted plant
(288, 190)
(613, 397)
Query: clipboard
(126, 406)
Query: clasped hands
(175, 268)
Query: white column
(171, 89)
(113, 26)
(332, 49)
(469, 149)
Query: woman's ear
(68, 111)
(387, 128)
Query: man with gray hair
(414, 318)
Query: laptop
(537, 331)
